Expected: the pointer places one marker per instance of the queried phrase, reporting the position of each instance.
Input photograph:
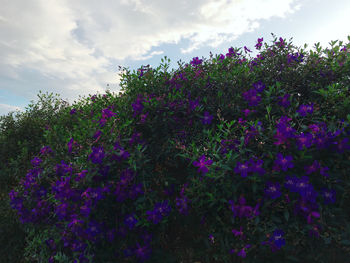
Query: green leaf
(286, 215)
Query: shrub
(21, 136)
(220, 160)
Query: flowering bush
(217, 161)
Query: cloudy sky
(74, 47)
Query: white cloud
(5, 108)
(72, 43)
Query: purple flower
(154, 217)
(85, 209)
(328, 196)
(97, 134)
(246, 49)
(70, 144)
(138, 106)
(97, 155)
(182, 205)
(305, 189)
(36, 161)
(242, 210)
(305, 109)
(63, 168)
(284, 101)
(242, 168)
(130, 221)
(142, 252)
(73, 111)
(238, 232)
(45, 150)
(256, 167)
(196, 61)
(283, 163)
(122, 153)
(193, 104)
(323, 171)
(252, 97)
(312, 168)
(273, 190)
(106, 113)
(247, 112)
(136, 190)
(93, 230)
(277, 238)
(202, 164)
(81, 175)
(342, 145)
(304, 140)
(207, 119)
(242, 253)
(162, 208)
(259, 44)
(259, 86)
(221, 57)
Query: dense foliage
(231, 159)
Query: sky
(74, 48)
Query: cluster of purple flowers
(251, 166)
(297, 57)
(242, 210)
(196, 61)
(284, 131)
(259, 44)
(125, 189)
(97, 155)
(138, 106)
(305, 109)
(252, 95)
(121, 155)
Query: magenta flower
(202, 164)
(247, 112)
(305, 109)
